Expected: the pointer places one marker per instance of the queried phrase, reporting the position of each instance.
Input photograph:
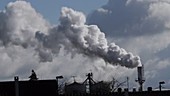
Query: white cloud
(103, 11)
(161, 16)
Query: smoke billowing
(19, 22)
(77, 37)
(20, 28)
(141, 26)
(75, 46)
(28, 41)
(18, 46)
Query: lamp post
(58, 77)
(160, 85)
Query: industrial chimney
(140, 80)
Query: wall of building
(29, 88)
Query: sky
(70, 38)
(51, 9)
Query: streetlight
(160, 85)
(58, 77)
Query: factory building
(75, 88)
(87, 88)
(101, 87)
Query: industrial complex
(89, 87)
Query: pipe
(16, 79)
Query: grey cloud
(128, 18)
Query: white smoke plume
(27, 41)
(142, 27)
(19, 23)
(18, 46)
(77, 37)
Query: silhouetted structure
(58, 77)
(89, 82)
(33, 76)
(140, 79)
(75, 88)
(29, 88)
(89, 86)
(160, 85)
(49, 88)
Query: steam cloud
(141, 26)
(23, 29)
(76, 36)
(72, 33)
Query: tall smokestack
(140, 80)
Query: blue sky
(50, 9)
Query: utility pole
(128, 83)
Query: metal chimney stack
(140, 79)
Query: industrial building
(87, 88)
(75, 88)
